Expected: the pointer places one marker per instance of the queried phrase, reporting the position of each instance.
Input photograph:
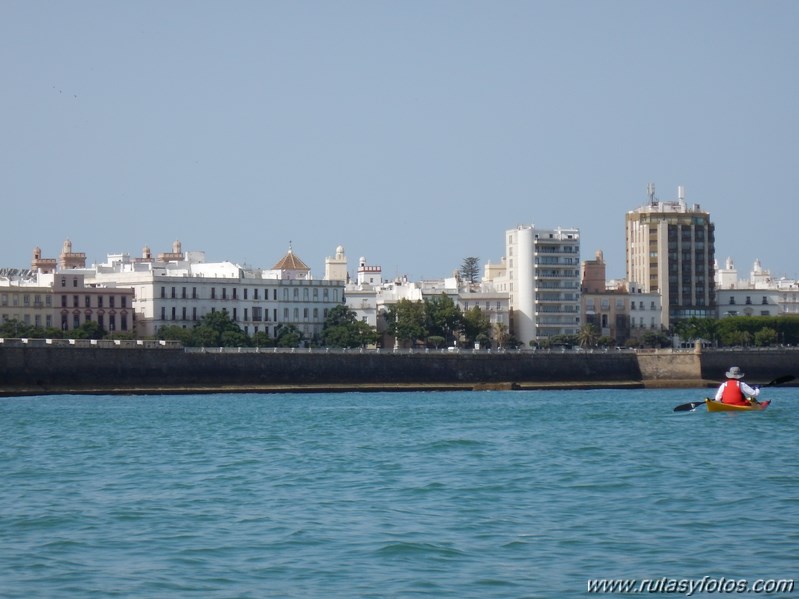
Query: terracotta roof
(291, 262)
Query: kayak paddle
(687, 407)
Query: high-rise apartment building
(543, 274)
(671, 250)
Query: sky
(412, 133)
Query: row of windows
(749, 300)
(27, 300)
(100, 301)
(258, 314)
(307, 293)
(109, 325)
(26, 318)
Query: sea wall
(37, 367)
(32, 368)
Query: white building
(542, 278)
(184, 288)
(760, 295)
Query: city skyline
(413, 134)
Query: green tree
(436, 340)
(15, 329)
(175, 333)
(406, 321)
(90, 329)
(655, 339)
(262, 339)
(443, 317)
(343, 329)
(765, 337)
(476, 323)
(216, 329)
(288, 335)
(588, 335)
(470, 269)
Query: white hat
(735, 373)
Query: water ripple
(497, 494)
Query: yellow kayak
(717, 406)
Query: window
(75, 321)
(163, 292)
(87, 301)
(254, 294)
(123, 322)
(285, 314)
(111, 301)
(63, 301)
(235, 314)
(235, 295)
(173, 293)
(183, 293)
(74, 282)
(245, 295)
(193, 293)
(100, 301)
(194, 313)
(183, 313)
(245, 314)
(174, 313)
(75, 302)
(213, 292)
(305, 294)
(63, 282)
(224, 292)
(163, 312)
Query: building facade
(63, 300)
(670, 249)
(543, 282)
(181, 292)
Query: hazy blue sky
(412, 133)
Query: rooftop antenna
(650, 191)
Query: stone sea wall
(82, 367)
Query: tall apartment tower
(671, 250)
(543, 269)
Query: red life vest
(732, 393)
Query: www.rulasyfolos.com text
(689, 587)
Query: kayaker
(734, 391)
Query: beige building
(63, 301)
(671, 251)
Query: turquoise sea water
(478, 494)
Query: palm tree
(588, 335)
